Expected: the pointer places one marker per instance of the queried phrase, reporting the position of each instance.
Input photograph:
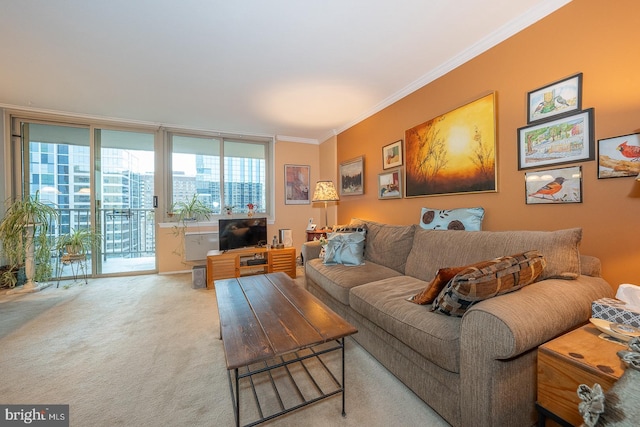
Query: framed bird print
(554, 186)
(559, 98)
(619, 156)
(565, 140)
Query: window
(222, 171)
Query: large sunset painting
(454, 152)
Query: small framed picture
(392, 155)
(554, 186)
(352, 177)
(296, 185)
(619, 156)
(565, 140)
(560, 98)
(390, 184)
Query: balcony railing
(126, 233)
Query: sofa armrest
(522, 320)
(311, 250)
(590, 266)
(498, 342)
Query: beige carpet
(144, 351)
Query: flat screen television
(241, 233)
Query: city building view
(125, 213)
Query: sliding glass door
(125, 202)
(104, 184)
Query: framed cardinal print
(619, 156)
(554, 186)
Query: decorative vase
(250, 213)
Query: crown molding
(285, 138)
(496, 37)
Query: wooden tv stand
(235, 263)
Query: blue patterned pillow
(345, 247)
(469, 219)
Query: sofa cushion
(338, 279)
(345, 247)
(469, 219)
(487, 280)
(432, 335)
(435, 249)
(387, 245)
(429, 294)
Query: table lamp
(325, 192)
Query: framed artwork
(392, 155)
(390, 184)
(566, 140)
(454, 152)
(562, 185)
(559, 98)
(352, 177)
(296, 185)
(619, 156)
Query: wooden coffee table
(267, 322)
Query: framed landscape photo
(390, 184)
(619, 156)
(392, 155)
(559, 98)
(296, 185)
(454, 152)
(565, 140)
(352, 177)
(554, 186)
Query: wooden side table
(577, 357)
(317, 234)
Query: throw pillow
(488, 279)
(345, 247)
(469, 219)
(435, 286)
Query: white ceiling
(300, 69)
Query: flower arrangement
(251, 207)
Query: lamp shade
(325, 192)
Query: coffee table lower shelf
(290, 372)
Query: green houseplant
(24, 235)
(186, 212)
(192, 209)
(78, 242)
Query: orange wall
(295, 217)
(589, 36)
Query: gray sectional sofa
(474, 370)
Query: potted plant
(24, 235)
(186, 212)
(8, 277)
(78, 242)
(191, 210)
